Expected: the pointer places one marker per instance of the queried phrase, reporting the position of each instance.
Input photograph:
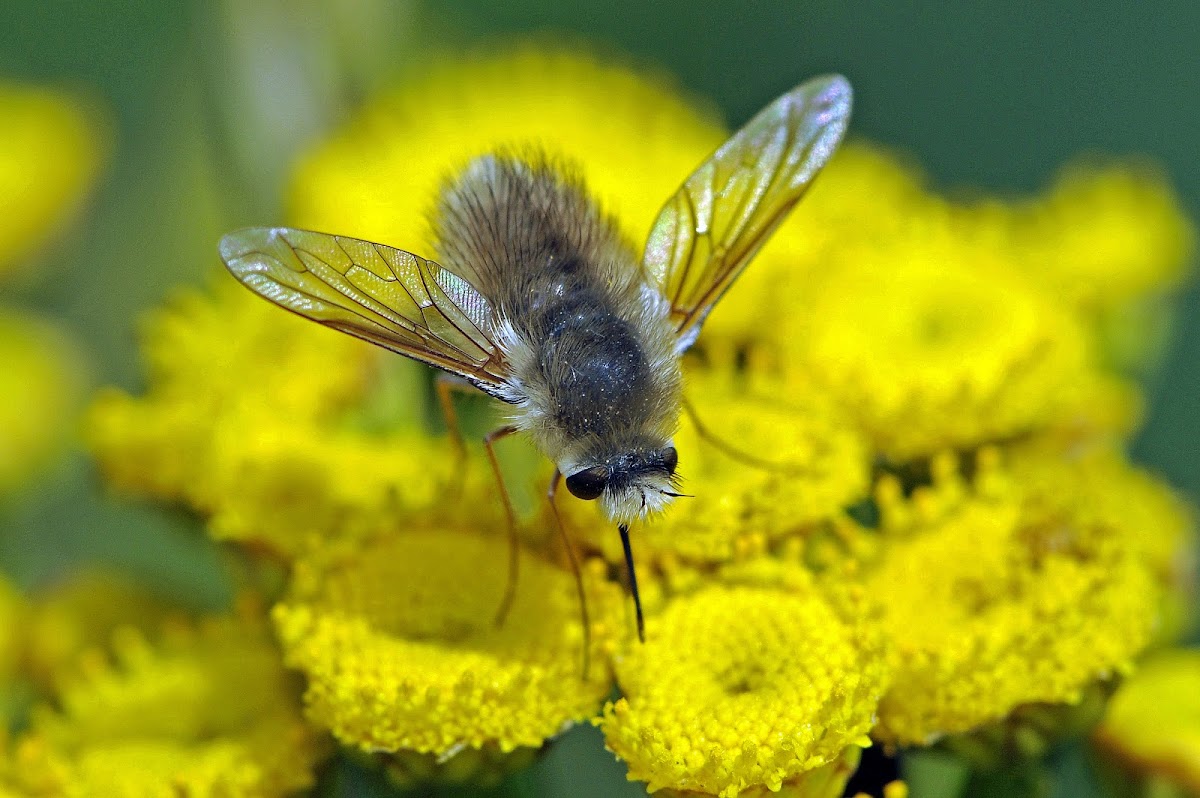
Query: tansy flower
(1111, 242)
(208, 711)
(1107, 493)
(82, 614)
(1102, 236)
(633, 138)
(399, 643)
(260, 420)
(51, 150)
(744, 689)
(1152, 727)
(932, 342)
(999, 597)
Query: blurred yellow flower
(632, 135)
(1153, 723)
(933, 343)
(250, 409)
(742, 689)
(208, 711)
(398, 642)
(41, 385)
(82, 614)
(1000, 597)
(51, 149)
(1102, 236)
(1106, 492)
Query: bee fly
(541, 303)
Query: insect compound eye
(670, 459)
(589, 483)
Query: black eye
(670, 459)
(588, 484)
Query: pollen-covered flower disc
(932, 343)
(632, 136)
(398, 642)
(999, 599)
(744, 690)
(280, 432)
(206, 712)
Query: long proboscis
(633, 588)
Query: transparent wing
(709, 230)
(383, 295)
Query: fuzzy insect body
(594, 375)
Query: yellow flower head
(633, 137)
(398, 642)
(207, 712)
(83, 614)
(261, 420)
(933, 343)
(1106, 492)
(1001, 597)
(41, 384)
(1103, 236)
(741, 687)
(1153, 721)
(50, 153)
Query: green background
(986, 97)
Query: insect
(539, 302)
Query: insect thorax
(590, 350)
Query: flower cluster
(912, 516)
(132, 697)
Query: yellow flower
(1107, 492)
(398, 642)
(742, 689)
(207, 712)
(40, 387)
(50, 153)
(933, 343)
(1153, 722)
(1102, 236)
(251, 409)
(632, 136)
(82, 614)
(1002, 596)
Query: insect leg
(551, 493)
(725, 447)
(447, 385)
(637, 600)
(510, 590)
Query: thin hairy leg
(551, 494)
(726, 448)
(510, 590)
